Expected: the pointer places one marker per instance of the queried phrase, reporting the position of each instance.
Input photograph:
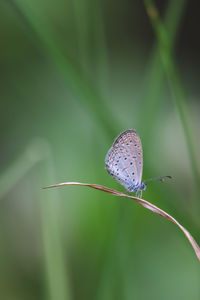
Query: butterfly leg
(139, 194)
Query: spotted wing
(124, 160)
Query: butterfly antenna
(162, 178)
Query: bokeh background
(74, 74)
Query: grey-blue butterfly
(124, 161)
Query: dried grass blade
(142, 202)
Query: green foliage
(76, 74)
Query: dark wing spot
(131, 163)
(133, 173)
(125, 158)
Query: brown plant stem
(142, 202)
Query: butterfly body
(124, 161)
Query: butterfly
(124, 161)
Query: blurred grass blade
(55, 264)
(81, 23)
(101, 48)
(38, 153)
(155, 72)
(20, 167)
(142, 202)
(178, 93)
(89, 25)
(83, 87)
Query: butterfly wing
(124, 160)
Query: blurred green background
(74, 74)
